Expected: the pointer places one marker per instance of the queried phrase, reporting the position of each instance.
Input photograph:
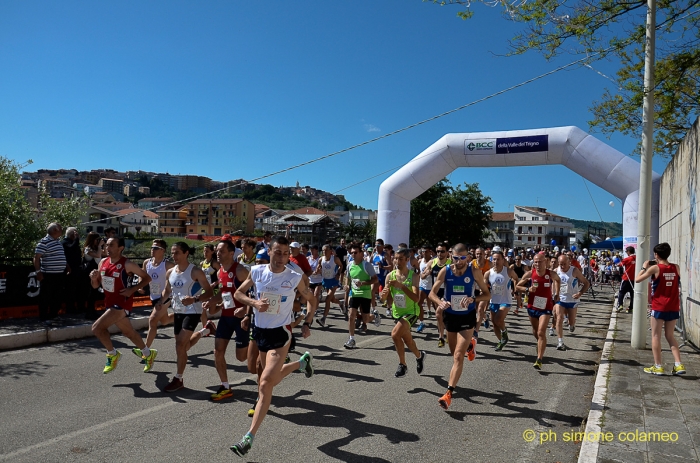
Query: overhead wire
(366, 142)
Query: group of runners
(264, 290)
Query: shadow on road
(330, 416)
(19, 370)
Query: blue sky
(242, 89)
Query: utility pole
(639, 325)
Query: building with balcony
(111, 185)
(137, 221)
(220, 216)
(307, 228)
(535, 227)
(151, 203)
(171, 221)
(501, 226)
(193, 183)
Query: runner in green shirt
(403, 284)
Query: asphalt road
(56, 405)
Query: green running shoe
(112, 361)
(149, 360)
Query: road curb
(589, 448)
(66, 333)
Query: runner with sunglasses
(459, 306)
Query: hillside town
(119, 200)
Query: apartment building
(535, 227)
(220, 216)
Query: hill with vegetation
(612, 229)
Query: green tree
(445, 213)
(585, 242)
(615, 30)
(21, 227)
(18, 225)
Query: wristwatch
(306, 324)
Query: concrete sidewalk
(639, 405)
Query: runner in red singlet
(542, 284)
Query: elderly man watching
(50, 266)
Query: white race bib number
(564, 289)
(497, 289)
(228, 300)
(178, 306)
(400, 300)
(356, 284)
(540, 302)
(327, 273)
(376, 269)
(154, 287)
(108, 284)
(456, 302)
(274, 301)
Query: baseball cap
(370, 249)
(496, 249)
(262, 254)
(294, 244)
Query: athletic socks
(146, 351)
(112, 352)
(225, 385)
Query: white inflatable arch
(569, 146)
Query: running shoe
(175, 385)
(377, 318)
(504, 337)
(242, 447)
(421, 327)
(321, 321)
(388, 312)
(471, 350)
(571, 328)
(221, 394)
(441, 342)
(309, 370)
(139, 354)
(446, 400)
(149, 360)
(112, 361)
(420, 362)
(211, 327)
(654, 370)
(486, 323)
(401, 370)
(358, 323)
(552, 332)
(363, 328)
(515, 311)
(679, 369)
(561, 346)
(538, 364)
(350, 344)
(302, 314)
(500, 345)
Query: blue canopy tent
(612, 243)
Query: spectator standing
(93, 252)
(74, 294)
(50, 266)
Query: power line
(367, 142)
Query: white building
(535, 227)
(135, 221)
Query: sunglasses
(459, 257)
(157, 247)
(440, 251)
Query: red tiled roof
(502, 216)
